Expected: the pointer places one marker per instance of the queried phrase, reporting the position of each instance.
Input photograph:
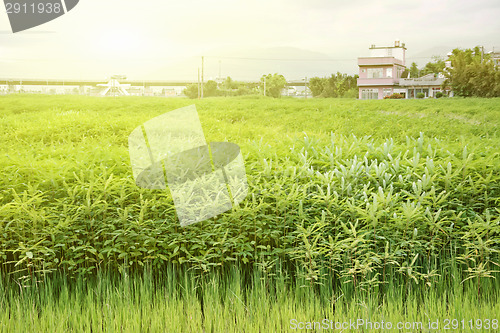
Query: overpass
(94, 83)
(52, 82)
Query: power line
(301, 59)
(279, 59)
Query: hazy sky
(164, 39)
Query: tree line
(228, 87)
(472, 74)
(272, 85)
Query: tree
(230, 84)
(210, 89)
(331, 87)
(274, 83)
(316, 85)
(191, 91)
(434, 67)
(414, 72)
(472, 74)
(337, 85)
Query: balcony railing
(379, 61)
(424, 81)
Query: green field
(376, 210)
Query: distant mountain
(251, 64)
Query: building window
(375, 73)
(388, 72)
(369, 93)
(387, 91)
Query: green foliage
(472, 74)
(434, 67)
(414, 71)
(351, 93)
(228, 88)
(420, 95)
(317, 85)
(236, 88)
(230, 84)
(210, 89)
(191, 91)
(439, 94)
(394, 96)
(231, 300)
(337, 85)
(344, 188)
(274, 84)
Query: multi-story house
(379, 73)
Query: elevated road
(38, 82)
(92, 83)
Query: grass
(177, 301)
(357, 209)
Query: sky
(159, 39)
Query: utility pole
(199, 85)
(305, 90)
(219, 79)
(202, 71)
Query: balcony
(383, 81)
(379, 61)
(427, 80)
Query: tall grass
(181, 301)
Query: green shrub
(351, 93)
(191, 91)
(396, 96)
(439, 94)
(420, 95)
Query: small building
(380, 73)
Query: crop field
(382, 210)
